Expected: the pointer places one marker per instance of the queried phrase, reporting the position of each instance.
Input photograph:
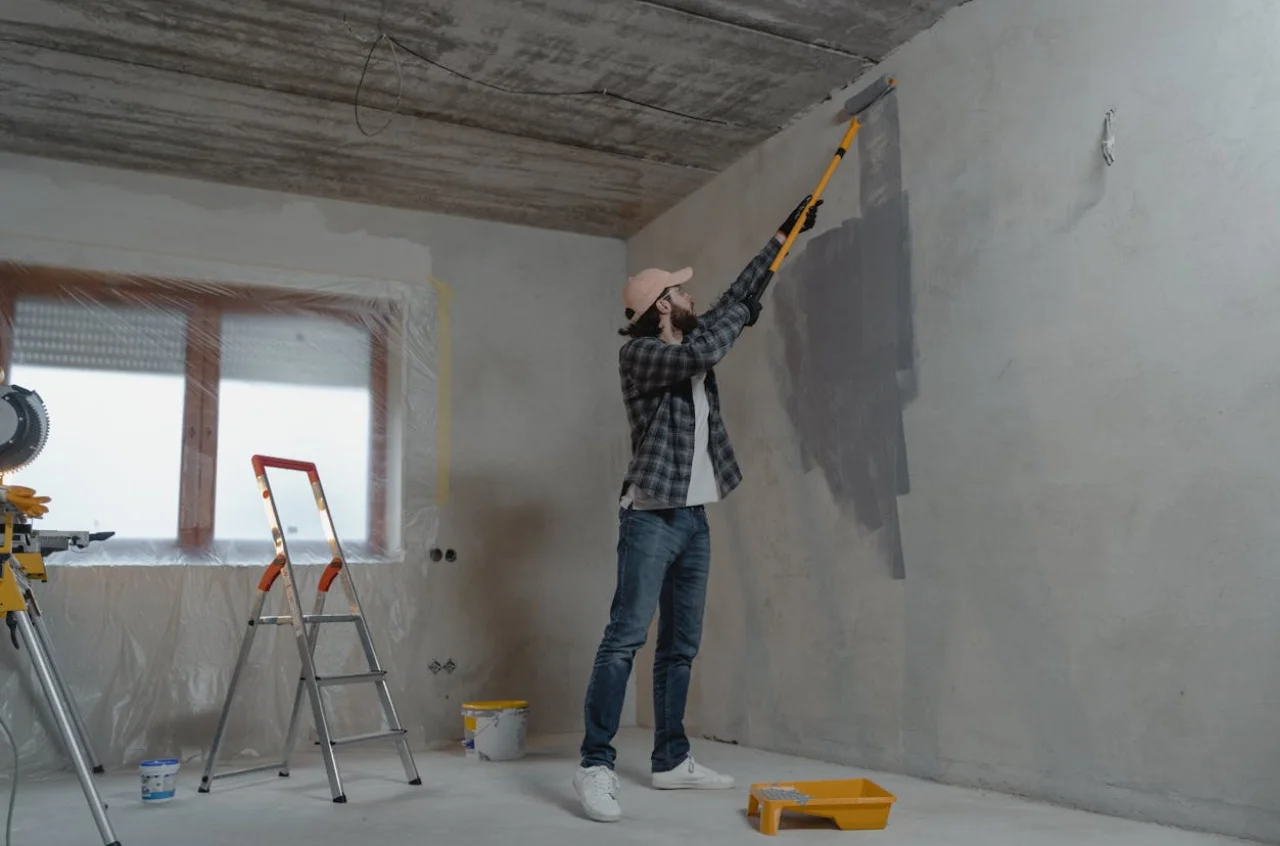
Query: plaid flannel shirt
(658, 394)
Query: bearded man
(681, 462)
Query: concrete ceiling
(262, 93)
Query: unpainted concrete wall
(1087, 614)
(538, 443)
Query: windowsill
(137, 552)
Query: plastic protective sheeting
(160, 390)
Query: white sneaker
(597, 787)
(691, 775)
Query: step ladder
(306, 629)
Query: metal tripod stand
(23, 617)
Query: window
(160, 392)
(294, 386)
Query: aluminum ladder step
(287, 619)
(350, 678)
(365, 738)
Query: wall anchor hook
(1109, 138)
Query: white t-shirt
(702, 483)
(703, 488)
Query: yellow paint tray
(855, 804)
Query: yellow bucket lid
(496, 705)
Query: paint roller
(854, 108)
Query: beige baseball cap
(644, 289)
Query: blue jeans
(664, 558)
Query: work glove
(25, 500)
(809, 219)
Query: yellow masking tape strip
(444, 385)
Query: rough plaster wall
(535, 438)
(1088, 609)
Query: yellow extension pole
(856, 106)
(854, 126)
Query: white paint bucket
(159, 779)
(495, 731)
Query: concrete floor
(532, 801)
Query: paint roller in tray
(854, 108)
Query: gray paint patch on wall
(845, 318)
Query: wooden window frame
(204, 305)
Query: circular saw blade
(24, 427)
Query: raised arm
(752, 278)
(652, 363)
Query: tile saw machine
(24, 431)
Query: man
(681, 461)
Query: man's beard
(683, 320)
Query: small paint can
(495, 731)
(159, 779)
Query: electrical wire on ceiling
(360, 86)
(394, 43)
